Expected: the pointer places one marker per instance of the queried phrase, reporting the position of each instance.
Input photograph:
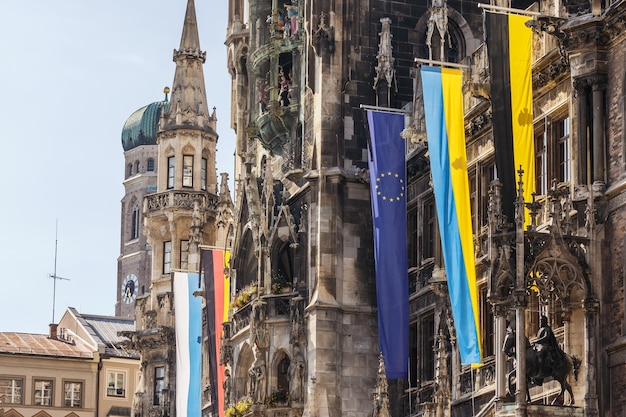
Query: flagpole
(384, 109)
(441, 63)
(492, 8)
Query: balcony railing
(179, 200)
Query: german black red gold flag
(509, 43)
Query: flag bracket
(385, 109)
(496, 9)
(441, 63)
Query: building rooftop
(42, 345)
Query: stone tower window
(171, 164)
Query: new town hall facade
(301, 337)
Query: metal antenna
(54, 275)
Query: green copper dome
(142, 126)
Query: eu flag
(388, 195)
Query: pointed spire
(190, 41)
(188, 108)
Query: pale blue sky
(72, 72)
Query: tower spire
(188, 107)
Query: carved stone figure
(227, 385)
(296, 376)
(257, 377)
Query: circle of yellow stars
(386, 177)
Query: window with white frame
(116, 384)
(171, 169)
(73, 394)
(159, 384)
(11, 390)
(43, 392)
(553, 151)
(167, 257)
(187, 171)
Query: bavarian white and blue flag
(188, 324)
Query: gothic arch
(188, 149)
(246, 261)
(460, 32)
(244, 362)
(279, 371)
(556, 273)
(42, 413)
(169, 151)
(282, 262)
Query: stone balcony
(175, 199)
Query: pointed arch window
(203, 172)
(129, 170)
(135, 221)
(187, 171)
(171, 164)
(282, 374)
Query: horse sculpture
(558, 368)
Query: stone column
(582, 90)
(591, 307)
(500, 311)
(599, 158)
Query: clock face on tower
(129, 288)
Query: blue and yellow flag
(443, 106)
(388, 189)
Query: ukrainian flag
(443, 106)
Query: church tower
(181, 211)
(140, 178)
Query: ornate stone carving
(385, 68)
(324, 36)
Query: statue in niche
(297, 319)
(292, 16)
(227, 385)
(258, 333)
(256, 374)
(296, 375)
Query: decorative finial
(166, 91)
